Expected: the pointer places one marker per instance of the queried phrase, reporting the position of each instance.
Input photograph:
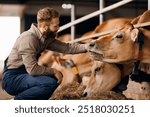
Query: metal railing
(105, 33)
(106, 9)
(148, 4)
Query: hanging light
(66, 6)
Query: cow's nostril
(85, 94)
(91, 44)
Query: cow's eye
(97, 69)
(119, 36)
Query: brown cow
(102, 80)
(48, 57)
(111, 24)
(107, 26)
(82, 61)
(73, 67)
(121, 45)
(98, 86)
(104, 77)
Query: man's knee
(51, 82)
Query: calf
(104, 77)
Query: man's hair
(46, 14)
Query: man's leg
(28, 87)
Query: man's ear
(134, 34)
(45, 28)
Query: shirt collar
(35, 30)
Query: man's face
(54, 25)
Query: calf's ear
(134, 34)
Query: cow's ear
(134, 34)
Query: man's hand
(58, 75)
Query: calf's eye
(119, 36)
(97, 69)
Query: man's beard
(50, 34)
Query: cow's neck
(146, 47)
(143, 56)
(140, 43)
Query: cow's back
(112, 23)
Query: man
(22, 76)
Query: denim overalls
(23, 86)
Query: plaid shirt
(30, 44)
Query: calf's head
(104, 77)
(118, 46)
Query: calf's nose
(84, 94)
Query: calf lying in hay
(74, 91)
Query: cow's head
(118, 46)
(104, 77)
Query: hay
(70, 91)
(74, 91)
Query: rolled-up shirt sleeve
(28, 49)
(68, 48)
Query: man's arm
(28, 49)
(68, 48)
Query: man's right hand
(58, 75)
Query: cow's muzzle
(84, 94)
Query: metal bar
(72, 19)
(106, 32)
(94, 14)
(101, 6)
(91, 36)
(142, 24)
(148, 4)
